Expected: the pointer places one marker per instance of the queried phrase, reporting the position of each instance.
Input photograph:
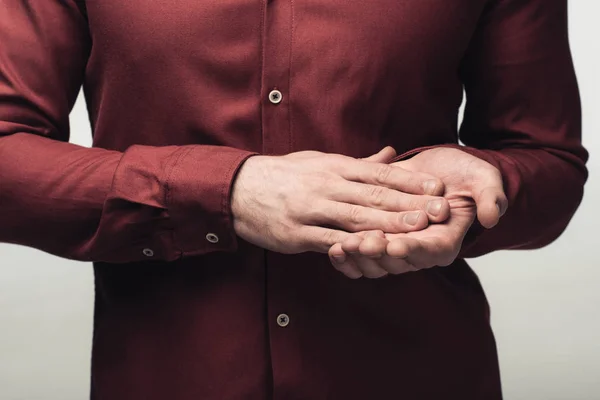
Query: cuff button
(148, 252)
(211, 237)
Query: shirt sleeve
(94, 204)
(523, 116)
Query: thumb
(384, 155)
(491, 202)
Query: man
(237, 142)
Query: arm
(102, 205)
(523, 116)
(93, 204)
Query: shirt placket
(275, 92)
(276, 140)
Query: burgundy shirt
(179, 94)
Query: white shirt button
(211, 237)
(275, 96)
(148, 252)
(283, 320)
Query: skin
(473, 188)
(311, 201)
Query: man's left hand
(474, 189)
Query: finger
(396, 266)
(373, 246)
(393, 177)
(424, 253)
(319, 239)
(489, 196)
(376, 232)
(351, 244)
(343, 263)
(382, 198)
(353, 218)
(439, 244)
(367, 266)
(384, 155)
(411, 251)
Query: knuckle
(416, 203)
(281, 235)
(354, 215)
(281, 241)
(318, 181)
(302, 210)
(286, 232)
(437, 187)
(376, 195)
(382, 173)
(333, 162)
(301, 242)
(328, 238)
(489, 172)
(306, 154)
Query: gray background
(544, 302)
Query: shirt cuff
(198, 198)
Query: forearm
(523, 115)
(101, 205)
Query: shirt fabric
(178, 97)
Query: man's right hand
(308, 201)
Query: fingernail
(339, 259)
(500, 212)
(430, 186)
(434, 207)
(412, 218)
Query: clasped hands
(372, 218)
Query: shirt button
(211, 237)
(148, 252)
(283, 320)
(275, 96)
